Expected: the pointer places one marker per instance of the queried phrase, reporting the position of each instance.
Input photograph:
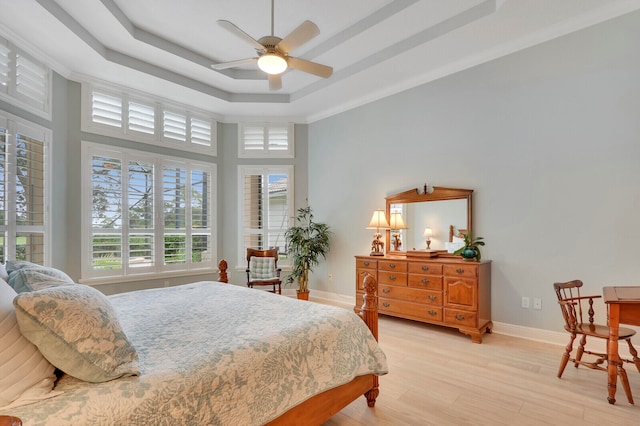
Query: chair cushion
(77, 330)
(262, 268)
(25, 375)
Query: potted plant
(471, 248)
(306, 242)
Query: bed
(214, 353)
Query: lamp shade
(396, 222)
(428, 232)
(378, 220)
(272, 64)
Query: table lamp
(396, 223)
(428, 232)
(378, 220)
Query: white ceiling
(376, 47)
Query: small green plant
(307, 241)
(471, 248)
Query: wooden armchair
(571, 304)
(262, 269)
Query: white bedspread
(217, 354)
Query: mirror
(434, 207)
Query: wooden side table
(624, 308)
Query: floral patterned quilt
(217, 354)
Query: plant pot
(469, 253)
(302, 295)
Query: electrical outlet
(525, 302)
(537, 303)
(330, 277)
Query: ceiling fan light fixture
(272, 63)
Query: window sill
(149, 277)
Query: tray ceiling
(376, 47)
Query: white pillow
(25, 375)
(4, 275)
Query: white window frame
(265, 152)
(246, 170)
(160, 106)
(16, 125)
(158, 269)
(10, 91)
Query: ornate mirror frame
(434, 193)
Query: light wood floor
(438, 377)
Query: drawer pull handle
(366, 263)
(432, 312)
(386, 291)
(392, 277)
(459, 317)
(460, 271)
(385, 304)
(392, 265)
(425, 268)
(424, 281)
(432, 297)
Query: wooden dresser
(444, 291)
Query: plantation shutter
(140, 200)
(32, 81)
(174, 214)
(200, 132)
(106, 213)
(175, 126)
(278, 138)
(201, 232)
(106, 109)
(141, 118)
(5, 76)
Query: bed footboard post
(369, 313)
(222, 271)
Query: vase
(469, 253)
(302, 295)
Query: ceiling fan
(273, 52)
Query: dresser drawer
(460, 318)
(425, 268)
(467, 271)
(392, 265)
(427, 282)
(394, 278)
(410, 294)
(411, 309)
(366, 264)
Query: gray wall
(549, 140)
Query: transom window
(266, 140)
(144, 213)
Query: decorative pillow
(32, 279)
(15, 265)
(76, 329)
(25, 375)
(4, 275)
(262, 268)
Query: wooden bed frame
(317, 409)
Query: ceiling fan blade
(275, 82)
(305, 32)
(239, 33)
(310, 67)
(231, 64)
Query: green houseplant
(307, 241)
(471, 248)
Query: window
(142, 118)
(146, 213)
(23, 191)
(265, 140)
(24, 81)
(266, 204)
